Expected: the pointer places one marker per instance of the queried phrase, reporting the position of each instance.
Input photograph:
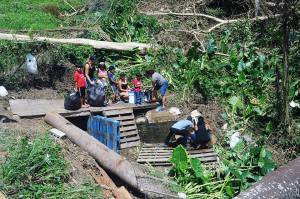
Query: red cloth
(137, 85)
(79, 79)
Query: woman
(89, 70)
(102, 75)
(158, 83)
(123, 87)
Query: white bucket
(131, 97)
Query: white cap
(195, 113)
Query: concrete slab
(28, 108)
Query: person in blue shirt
(183, 129)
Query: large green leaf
(236, 103)
(179, 158)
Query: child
(102, 75)
(137, 89)
(113, 83)
(80, 82)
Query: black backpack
(72, 101)
(96, 96)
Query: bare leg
(164, 100)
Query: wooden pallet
(128, 129)
(156, 155)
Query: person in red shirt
(80, 83)
(137, 89)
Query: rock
(174, 111)
(159, 117)
(141, 120)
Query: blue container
(105, 130)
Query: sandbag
(96, 96)
(31, 64)
(72, 101)
(3, 91)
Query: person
(137, 89)
(123, 87)
(181, 129)
(113, 83)
(102, 75)
(80, 83)
(89, 70)
(202, 135)
(158, 83)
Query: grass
(34, 14)
(37, 169)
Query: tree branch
(221, 21)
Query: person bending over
(158, 83)
(181, 130)
(202, 136)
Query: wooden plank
(171, 149)
(169, 155)
(129, 139)
(130, 144)
(123, 123)
(122, 118)
(128, 128)
(118, 112)
(128, 133)
(170, 152)
(204, 159)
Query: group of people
(192, 131)
(89, 75)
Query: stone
(159, 117)
(141, 120)
(175, 111)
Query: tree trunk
(285, 71)
(280, 184)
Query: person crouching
(181, 130)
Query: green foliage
(123, 23)
(240, 167)
(35, 15)
(37, 170)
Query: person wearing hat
(89, 70)
(102, 75)
(123, 87)
(113, 83)
(181, 130)
(202, 135)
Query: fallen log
(281, 183)
(107, 158)
(105, 45)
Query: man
(181, 130)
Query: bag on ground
(72, 101)
(31, 64)
(96, 96)
(3, 91)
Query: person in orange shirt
(80, 83)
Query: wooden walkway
(28, 108)
(156, 155)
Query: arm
(87, 68)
